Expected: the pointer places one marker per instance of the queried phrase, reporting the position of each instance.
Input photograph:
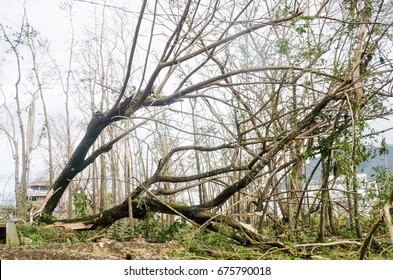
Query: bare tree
(26, 124)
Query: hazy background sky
(53, 24)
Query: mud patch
(105, 249)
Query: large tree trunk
(75, 164)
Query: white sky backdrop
(53, 23)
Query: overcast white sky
(53, 23)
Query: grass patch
(37, 236)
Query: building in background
(37, 192)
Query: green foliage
(154, 228)
(346, 232)
(312, 52)
(39, 235)
(282, 46)
(27, 32)
(384, 150)
(349, 152)
(301, 24)
(82, 203)
(376, 106)
(44, 219)
(209, 239)
(341, 69)
(380, 195)
(283, 11)
(36, 235)
(174, 230)
(196, 243)
(204, 244)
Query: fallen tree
(126, 106)
(200, 214)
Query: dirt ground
(104, 249)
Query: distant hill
(381, 162)
(367, 167)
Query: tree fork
(74, 165)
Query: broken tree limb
(70, 226)
(383, 216)
(330, 244)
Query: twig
(335, 243)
